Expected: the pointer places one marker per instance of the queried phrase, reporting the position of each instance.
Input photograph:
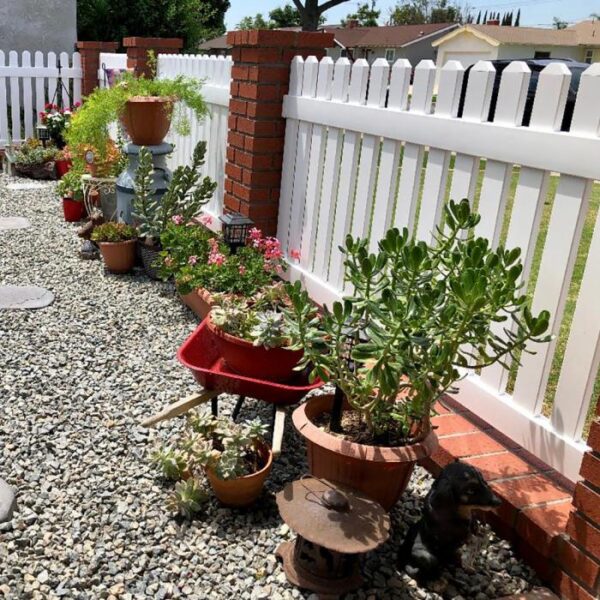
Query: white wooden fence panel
(27, 97)
(15, 100)
(4, 133)
(348, 187)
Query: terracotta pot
(199, 301)
(382, 473)
(244, 490)
(147, 119)
(119, 257)
(258, 362)
(73, 210)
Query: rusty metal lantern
(335, 526)
(236, 228)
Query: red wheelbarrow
(199, 353)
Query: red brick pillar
(260, 79)
(579, 551)
(90, 62)
(138, 47)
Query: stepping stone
(7, 501)
(7, 223)
(20, 297)
(25, 186)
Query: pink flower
(177, 219)
(255, 237)
(216, 258)
(206, 220)
(169, 261)
(272, 249)
(242, 270)
(295, 254)
(192, 260)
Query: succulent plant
(187, 498)
(269, 330)
(170, 462)
(114, 232)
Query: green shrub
(114, 232)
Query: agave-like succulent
(269, 330)
(187, 498)
(171, 462)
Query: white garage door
(467, 58)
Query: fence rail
(27, 83)
(363, 154)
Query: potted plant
(145, 107)
(117, 245)
(57, 120)
(70, 189)
(252, 334)
(188, 191)
(234, 457)
(34, 160)
(418, 315)
(63, 162)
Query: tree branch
(330, 4)
(299, 6)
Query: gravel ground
(77, 378)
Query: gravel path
(76, 379)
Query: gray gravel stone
(77, 379)
(7, 501)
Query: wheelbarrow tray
(199, 353)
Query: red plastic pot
(273, 364)
(63, 167)
(73, 210)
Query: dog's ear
(442, 494)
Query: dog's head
(461, 487)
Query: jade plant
(90, 124)
(188, 191)
(418, 316)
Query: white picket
(4, 133)
(348, 172)
(412, 158)
(27, 97)
(76, 80)
(436, 176)
(341, 81)
(52, 80)
(15, 100)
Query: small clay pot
(147, 119)
(119, 257)
(198, 301)
(73, 210)
(257, 362)
(242, 491)
(381, 473)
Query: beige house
(472, 43)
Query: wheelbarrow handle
(180, 407)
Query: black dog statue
(447, 521)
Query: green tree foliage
(283, 16)
(311, 12)
(559, 23)
(257, 22)
(367, 15)
(416, 12)
(112, 20)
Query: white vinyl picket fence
(215, 71)
(27, 83)
(110, 60)
(356, 141)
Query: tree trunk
(310, 16)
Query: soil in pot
(378, 471)
(119, 257)
(147, 119)
(242, 491)
(199, 301)
(73, 210)
(258, 362)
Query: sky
(534, 13)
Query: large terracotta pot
(147, 119)
(381, 473)
(119, 257)
(258, 362)
(199, 301)
(242, 491)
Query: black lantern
(236, 228)
(42, 133)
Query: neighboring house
(402, 41)
(472, 43)
(32, 25)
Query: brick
(499, 466)
(452, 424)
(587, 501)
(233, 171)
(263, 211)
(98, 46)
(261, 55)
(239, 72)
(272, 109)
(472, 444)
(590, 468)
(231, 202)
(234, 89)
(256, 162)
(150, 42)
(238, 107)
(232, 122)
(228, 185)
(256, 91)
(584, 534)
(236, 53)
(569, 589)
(318, 40)
(529, 490)
(250, 194)
(261, 178)
(541, 525)
(268, 73)
(263, 145)
(594, 437)
(576, 563)
(236, 139)
(273, 37)
(230, 153)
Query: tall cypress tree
(485, 18)
(478, 18)
(518, 19)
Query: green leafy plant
(32, 152)
(170, 462)
(418, 315)
(188, 191)
(70, 185)
(187, 498)
(89, 125)
(114, 232)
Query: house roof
(584, 33)
(386, 36)
(218, 43)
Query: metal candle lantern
(335, 526)
(236, 228)
(42, 133)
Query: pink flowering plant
(57, 120)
